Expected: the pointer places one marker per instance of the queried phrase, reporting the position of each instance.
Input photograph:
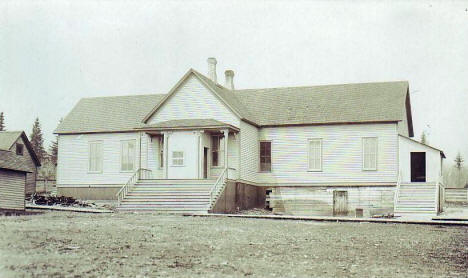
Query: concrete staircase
(168, 196)
(416, 198)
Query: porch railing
(138, 174)
(397, 189)
(218, 188)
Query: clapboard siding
(342, 154)
(249, 152)
(319, 200)
(433, 160)
(12, 186)
(73, 155)
(193, 100)
(30, 177)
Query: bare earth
(58, 244)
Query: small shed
(18, 143)
(13, 171)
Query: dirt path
(59, 244)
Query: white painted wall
(186, 141)
(433, 159)
(341, 149)
(193, 100)
(73, 155)
(249, 160)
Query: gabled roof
(8, 138)
(108, 114)
(328, 104)
(344, 103)
(11, 161)
(188, 124)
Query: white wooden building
(207, 147)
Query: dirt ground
(58, 244)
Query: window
(217, 150)
(315, 155)
(19, 149)
(127, 155)
(178, 158)
(265, 156)
(369, 154)
(161, 152)
(95, 157)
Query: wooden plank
(69, 209)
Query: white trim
(260, 154)
(134, 156)
(363, 139)
(89, 157)
(320, 140)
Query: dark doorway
(418, 167)
(340, 203)
(205, 163)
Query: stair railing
(438, 188)
(138, 174)
(397, 190)
(218, 188)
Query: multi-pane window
(315, 155)
(178, 158)
(95, 157)
(19, 149)
(265, 156)
(161, 152)
(127, 155)
(369, 153)
(217, 150)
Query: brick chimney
(229, 79)
(212, 69)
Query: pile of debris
(50, 200)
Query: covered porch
(198, 149)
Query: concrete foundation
(240, 196)
(89, 193)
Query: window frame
(121, 156)
(183, 159)
(19, 146)
(90, 143)
(220, 152)
(363, 144)
(309, 141)
(161, 152)
(260, 156)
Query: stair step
(167, 207)
(151, 181)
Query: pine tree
(54, 148)
(2, 122)
(459, 165)
(424, 138)
(36, 140)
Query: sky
(52, 53)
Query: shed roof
(11, 161)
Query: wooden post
(226, 138)
(166, 160)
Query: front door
(205, 163)
(340, 203)
(418, 167)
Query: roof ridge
(316, 86)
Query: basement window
(19, 149)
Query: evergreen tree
(2, 122)
(54, 149)
(459, 165)
(424, 138)
(36, 140)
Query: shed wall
(12, 188)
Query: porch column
(166, 149)
(226, 138)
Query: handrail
(218, 187)
(397, 189)
(138, 174)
